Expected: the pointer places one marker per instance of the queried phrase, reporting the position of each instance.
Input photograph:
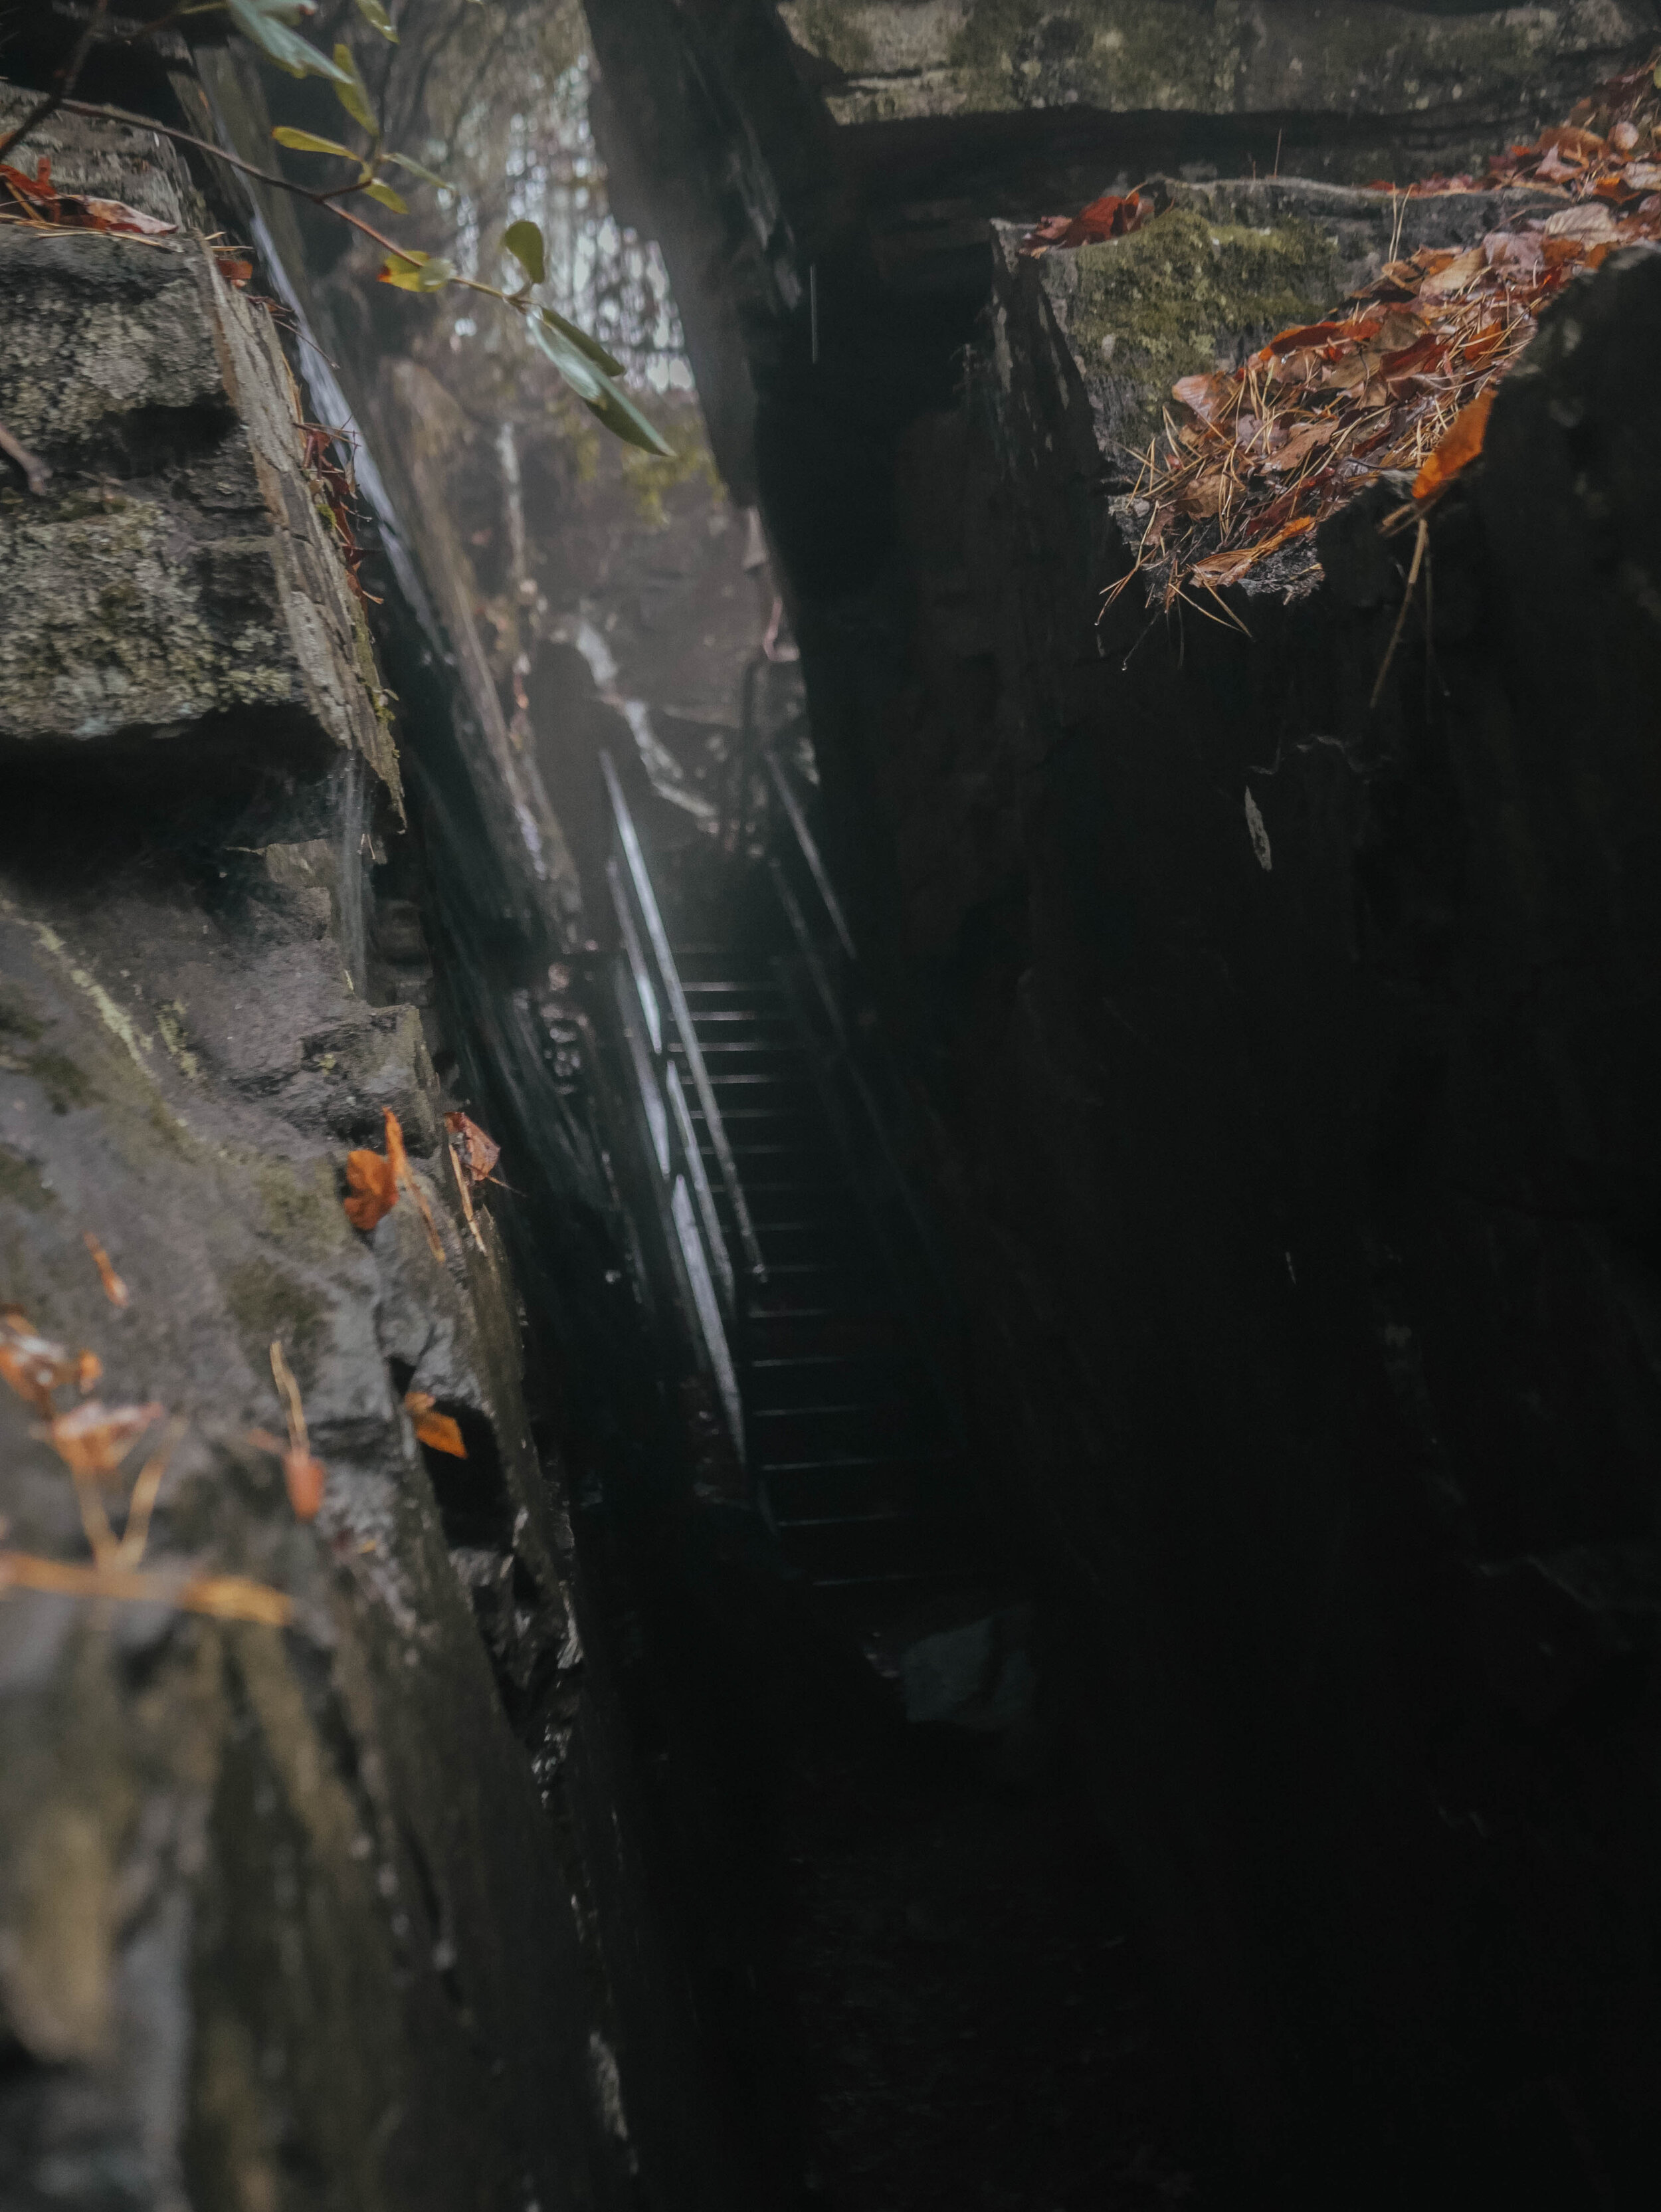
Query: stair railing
(654, 1014)
(861, 1084)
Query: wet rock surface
(1282, 1044)
(284, 1917)
(1452, 72)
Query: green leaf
(625, 420)
(377, 17)
(580, 338)
(416, 170)
(523, 240)
(415, 271)
(386, 196)
(269, 24)
(597, 392)
(304, 141)
(350, 91)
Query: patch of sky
(600, 275)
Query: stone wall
(1454, 77)
(1282, 1058)
(284, 1919)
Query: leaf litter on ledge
(1253, 459)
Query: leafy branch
(593, 374)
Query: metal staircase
(822, 1318)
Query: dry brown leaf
(1590, 221)
(479, 1153)
(1203, 396)
(441, 1432)
(1454, 274)
(1298, 448)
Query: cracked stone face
(177, 580)
(894, 60)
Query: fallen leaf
(438, 1431)
(1203, 395)
(373, 1183)
(1224, 567)
(399, 1160)
(1111, 216)
(35, 1366)
(479, 1153)
(1322, 334)
(92, 1441)
(1591, 221)
(1302, 442)
(114, 1289)
(1204, 495)
(1457, 446)
(1454, 274)
(115, 215)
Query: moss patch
(62, 1081)
(831, 31)
(303, 1213)
(15, 1019)
(265, 1303)
(1186, 294)
(20, 1183)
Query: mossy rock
(1182, 295)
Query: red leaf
(1110, 217)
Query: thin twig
(224, 1597)
(35, 470)
(236, 161)
(136, 1534)
(1422, 540)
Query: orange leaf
(1226, 567)
(399, 1162)
(1459, 446)
(373, 1183)
(114, 1289)
(440, 1431)
(35, 1366)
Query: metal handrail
(804, 838)
(668, 975)
(845, 1054)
